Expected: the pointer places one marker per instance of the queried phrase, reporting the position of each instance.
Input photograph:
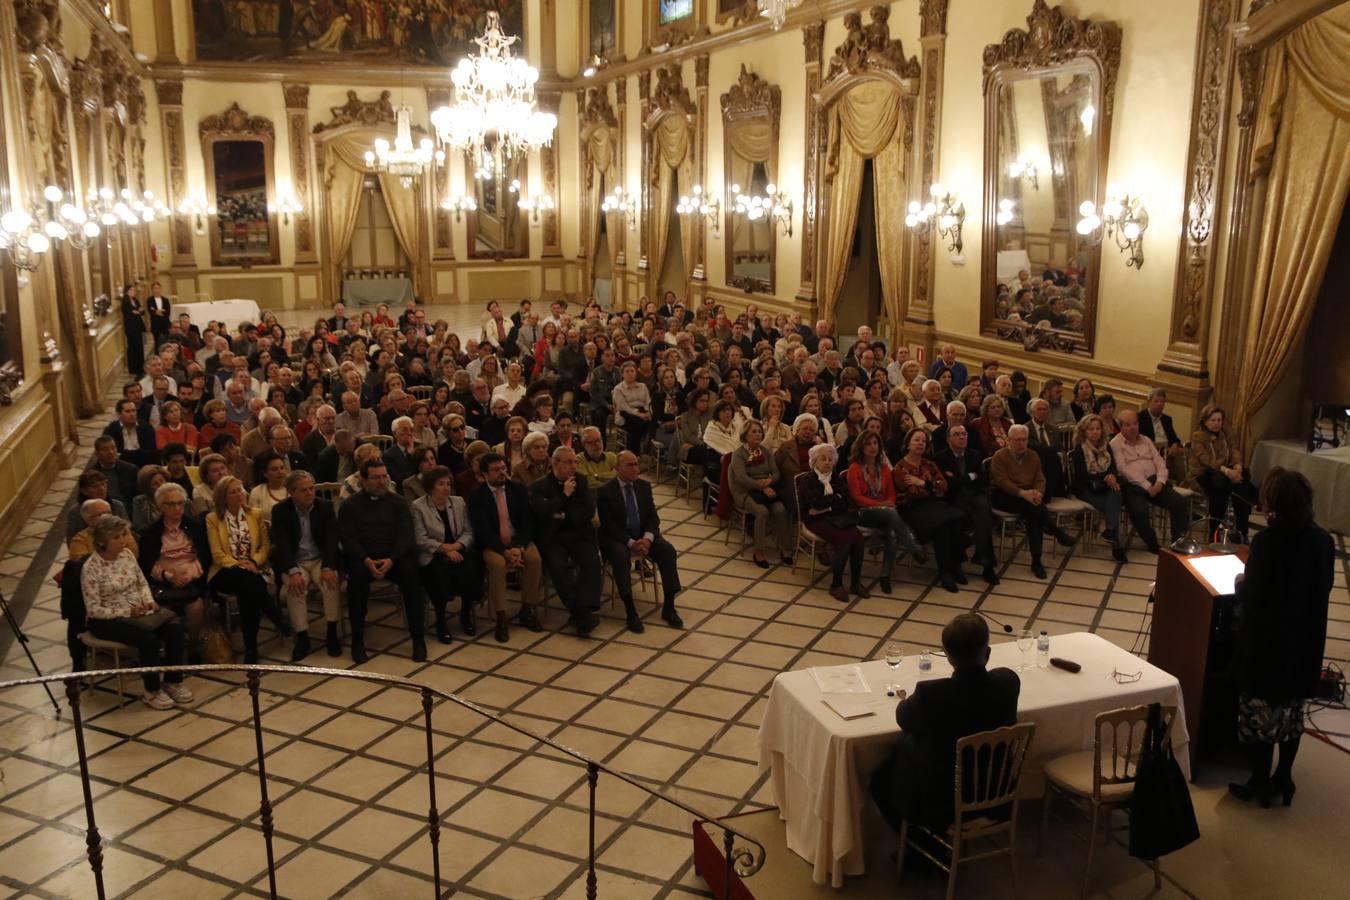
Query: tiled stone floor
(176, 793)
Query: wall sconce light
(593, 65)
(287, 207)
(623, 204)
(536, 207)
(1123, 219)
(701, 205)
(1006, 212)
(776, 207)
(459, 204)
(198, 209)
(28, 234)
(944, 212)
(1025, 167)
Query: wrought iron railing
(744, 856)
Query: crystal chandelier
(494, 96)
(404, 158)
(776, 10)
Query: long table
(820, 764)
(374, 291)
(1328, 470)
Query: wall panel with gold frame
(750, 117)
(237, 150)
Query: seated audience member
(1093, 478)
(1084, 399)
(1019, 487)
(210, 469)
(305, 555)
(119, 475)
(400, 458)
(968, 491)
(271, 487)
(1156, 425)
(1143, 473)
(776, 431)
(412, 487)
(321, 436)
(957, 415)
(823, 503)
(337, 461)
(753, 479)
(81, 543)
(563, 507)
(794, 455)
(354, 418)
(632, 407)
(240, 547)
(931, 411)
(144, 507)
(174, 553)
(871, 488)
(915, 784)
(1043, 439)
(1106, 408)
(353, 483)
(1281, 633)
(564, 433)
(445, 551)
(534, 461)
(176, 468)
(595, 462)
(1216, 469)
(467, 481)
(992, 425)
(503, 527)
(376, 529)
(451, 453)
(135, 440)
(119, 607)
(1061, 411)
(91, 485)
(947, 359)
(173, 429)
(630, 530)
(216, 422)
(259, 439)
(921, 498)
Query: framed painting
(397, 32)
(669, 12)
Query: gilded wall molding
(235, 121)
(356, 111)
(297, 133)
(870, 48)
(932, 18)
(813, 42)
(1186, 354)
(442, 238)
(1053, 38)
(170, 95)
(548, 162)
(933, 46)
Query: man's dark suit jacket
(159, 308)
(558, 516)
(148, 455)
(483, 515)
(974, 465)
(122, 483)
(939, 439)
(1146, 427)
(312, 446)
(325, 469)
(916, 785)
(614, 511)
(401, 464)
(286, 534)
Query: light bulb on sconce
(459, 204)
(1006, 212)
(288, 206)
(701, 205)
(944, 213)
(536, 207)
(774, 205)
(1123, 218)
(1025, 166)
(198, 209)
(623, 204)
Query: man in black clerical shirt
(376, 528)
(630, 529)
(915, 785)
(563, 507)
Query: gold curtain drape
(406, 218)
(889, 184)
(1302, 147)
(599, 143)
(670, 144)
(863, 125)
(342, 199)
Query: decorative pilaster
(918, 324)
(442, 241)
(1185, 364)
(700, 149)
(619, 266)
(297, 132)
(548, 161)
(170, 95)
(645, 201)
(813, 38)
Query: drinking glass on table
(1025, 641)
(894, 656)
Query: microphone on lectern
(1008, 629)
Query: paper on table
(850, 707)
(1219, 572)
(840, 680)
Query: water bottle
(1043, 649)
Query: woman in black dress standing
(133, 325)
(1281, 633)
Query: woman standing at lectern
(1281, 633)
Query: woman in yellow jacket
(240, 547)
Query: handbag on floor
(1162, 819)
(216, 647)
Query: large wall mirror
(1048, 103)
(237, 151)
(496, 229)
(750, 113)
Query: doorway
(602, 267)
(860, 298)
(673, 271)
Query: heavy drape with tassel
(865, 123)
(1302, 148)
(675, 167)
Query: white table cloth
(231, 312)
(821, 765)
(1328, 470)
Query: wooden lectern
(1183, 633)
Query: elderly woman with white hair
(174, 554)
(823, 501)
(534, 464)
(792, 456)
(120, 607)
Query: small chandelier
(403, 158)
(1123, 219)
(773, 205)
(27, 235)
(494, 96)
(776, 10)
(701, 205)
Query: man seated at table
(915, 784)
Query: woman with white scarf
(822, 500)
